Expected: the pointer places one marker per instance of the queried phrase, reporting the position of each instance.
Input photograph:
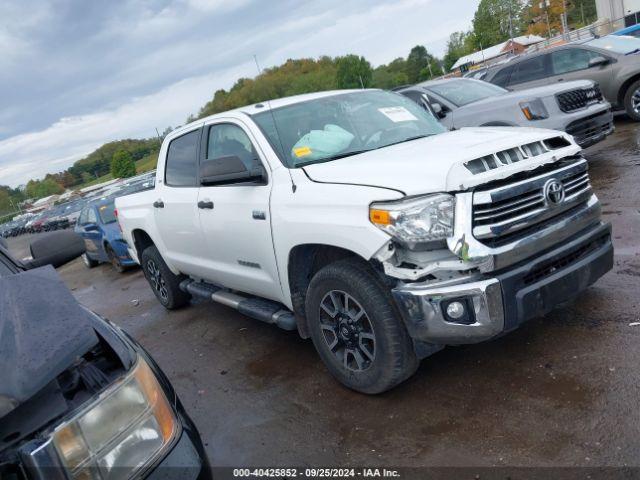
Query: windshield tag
(302, 151)
(397, 114)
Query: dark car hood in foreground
(43, 330)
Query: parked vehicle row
(356, 219)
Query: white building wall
(610, 9)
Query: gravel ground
(560, 391)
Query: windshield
(107, 213)
(462, 92)
(345, 124)
(616, 44)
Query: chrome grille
(502, 213)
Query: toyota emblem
(554, 192)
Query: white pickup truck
(356, 219)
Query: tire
(632, 101)
(374, 352)
(89, 263)
(114, 260)
(164, 283)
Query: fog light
(455, 310)
(458, 310)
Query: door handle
(205, 204)
(158, 204)
(561, 79)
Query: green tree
(457, 46)
(495, 19)
(122, 165)
(353, 72)
(43, 188)
(391, 75)
(420, 65)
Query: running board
(259, 308)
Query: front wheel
(114, 260)
(164, 283)
(357, 330)
(88, 262)
(632, 101)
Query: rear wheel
(114, 260)
(357, 329)
(164, 283)
(88, 262)
(632, 101)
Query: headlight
(534, 110)
(418, 220)
(123, 431)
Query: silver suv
(612, 61)
(573, 107)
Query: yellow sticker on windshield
(302, 151)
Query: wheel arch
(624, 87)
(141, 240)
(303, 262)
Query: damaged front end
(517, 247)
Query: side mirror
(438, 110)
(598, 62)
(228, 170)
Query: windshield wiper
(334, 157)
(637, 50)
(417, 137)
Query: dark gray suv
(612, 61)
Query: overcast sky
(75, 74)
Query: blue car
(98, 226)
(632, 31)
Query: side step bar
(259, 308)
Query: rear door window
(91, 216)
(571, 60)
(182, 161)
(530, 70)
(502, 77)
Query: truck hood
(436, 164)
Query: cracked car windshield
(342, 125)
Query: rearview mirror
(598, 61)
(230, 169)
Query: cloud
(83, 74)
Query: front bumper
(592, 129)
(504, 299)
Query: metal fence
(597, 29)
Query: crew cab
(356, 219)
